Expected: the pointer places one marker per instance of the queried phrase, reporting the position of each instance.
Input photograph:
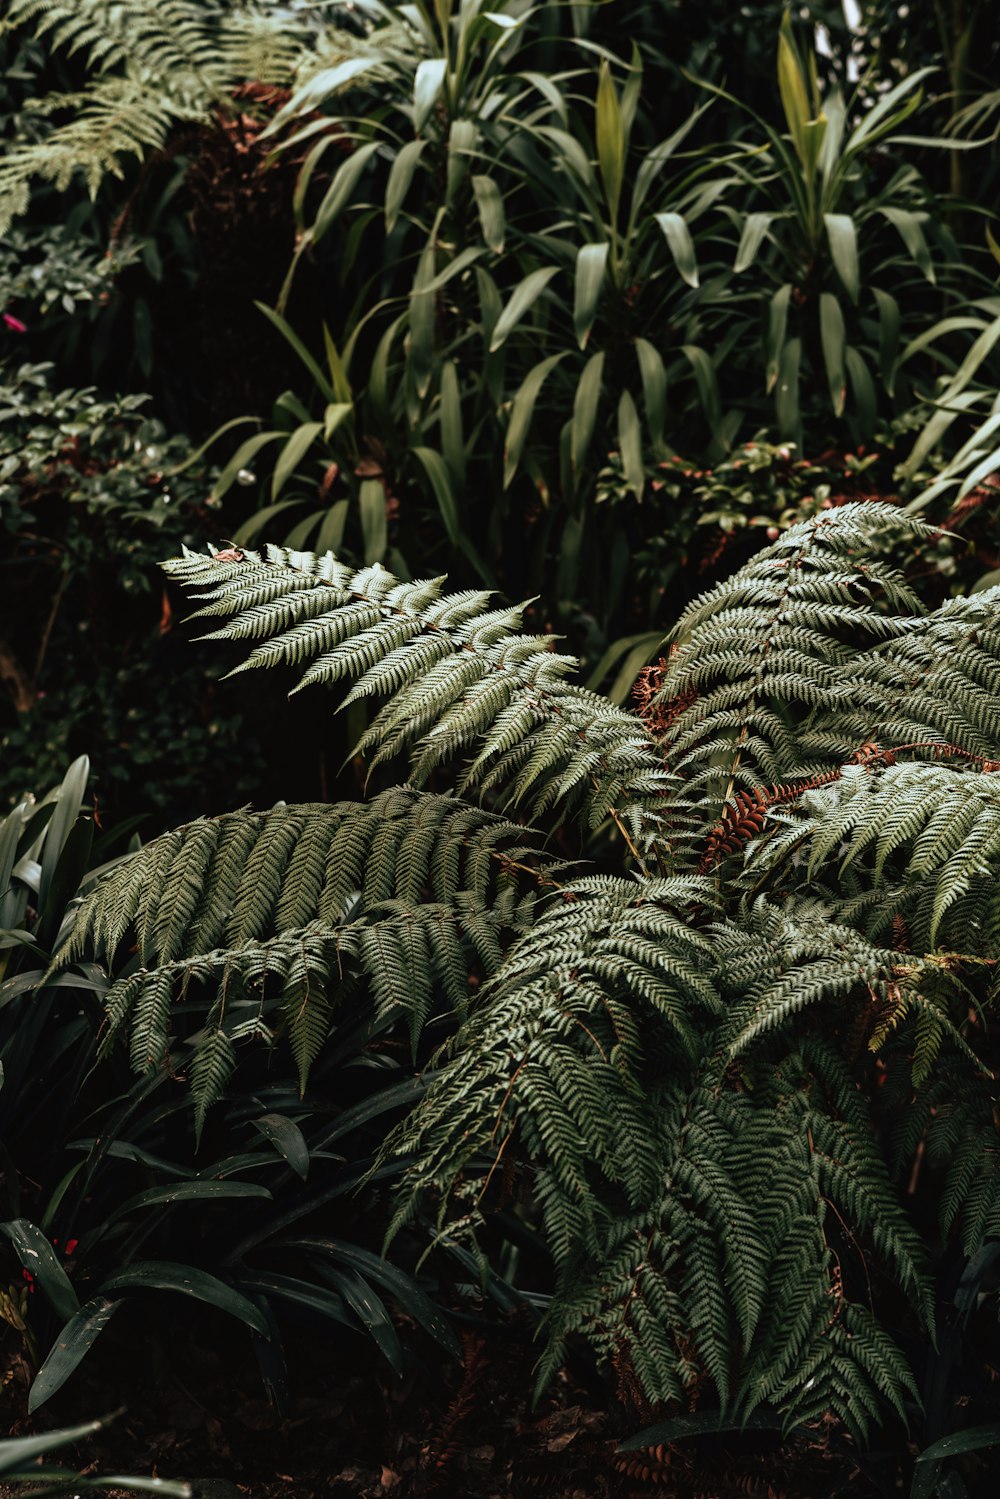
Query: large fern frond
(456, 676)
(683, 1152)
(274, 917)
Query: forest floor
(466, 1431)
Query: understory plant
(735, 1067)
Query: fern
(459, 677)
(153, 65)
(276, 916)
(685, 1078)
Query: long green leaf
(755, 227)
(831, 326)
(295, 343)
(610, 131)
(374, 525)
(591, 264)
(585, 404)
(843, 241)
(400, 178)
(341, 189)
(521, 412)
(74, 1341)
(245, 454)
(776, 330)
(654, 389)
(298, 444)
(489, 203)
(681, 245)
(630, 444)
(521, 299)
(287, 1139)
(427, 83)
(786, 399)
(188, 1280)
(43, 1264)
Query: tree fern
(684, 1069)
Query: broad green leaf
(426, 87)
(610, 131)
(462, 138)
(245, 454)
(74, 1341)
(294, 450)
(374, 526)
(681, 245)
(755, 228)
(864, 389)
(331, 532)
(591, 263)
(187, 1280)
(935, 429)
(831, 327)
(708, 388)
(437, 471)
(843, 241)
(971, 1440)
(287, 1139)
(776, 330)
(521, 299)
(521, 413)
(455, 267)
(876, 122)
(792, 88)
(888, 336)
(68, 800)
(422, 318)
(300, 1293)
(400, 178)
(369, 1308)
(43, 1264)
(909, 227)
(336, 412)
(452, 437)
(701, 1423)
(786, 399)
(299, 537)
(319, 88)
(630, 444)
(201, 1189)
(654, 388)
(339, 193)
(339, 381)
(585, 404)
(489, 203)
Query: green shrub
(707, 1072)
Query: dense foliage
(625, 965)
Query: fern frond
(458, 677)
(274, 914)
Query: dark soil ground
(352, 1430)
